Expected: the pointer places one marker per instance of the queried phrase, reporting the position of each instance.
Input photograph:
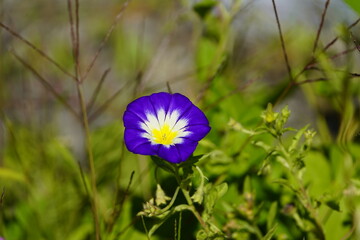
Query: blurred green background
(226, 56)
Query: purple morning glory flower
(166, 125)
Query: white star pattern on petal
(165, 128)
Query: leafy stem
(185, 191)
(302, 193)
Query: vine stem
(94, 200)
(193, 210)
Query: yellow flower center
(164, 135)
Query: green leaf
(210, 200)
(204, 7)
(285, 183)
(334, 205)
(271, 216)
(161, 163)
(296, 138)
(262, 145)
(201, 235)
(187, 168)
(270, 234)
(354, 4)
(282, 119)
(9, 174)
(245, 226)
(161, 197)
(213, 234)
(221, 189)
(247, 185)
(298, 164)
(212, 194)
(218, 162)
(318, 173)
(82, 232)
(198, 196)
(205, 53)
(239, 127)
(191, 161)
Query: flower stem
(193, 209)
(171, 202)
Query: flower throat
(164, 135)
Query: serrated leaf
(161, 163)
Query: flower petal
(145, 149)
(186, 149)
(160, 100)
(197, 132)
(141, 107)
(138, 144)
(169, 153)
(131, 120)
(179, 103)
(177, 153)
(195, 116)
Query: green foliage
(355, 5)
(202, 8)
